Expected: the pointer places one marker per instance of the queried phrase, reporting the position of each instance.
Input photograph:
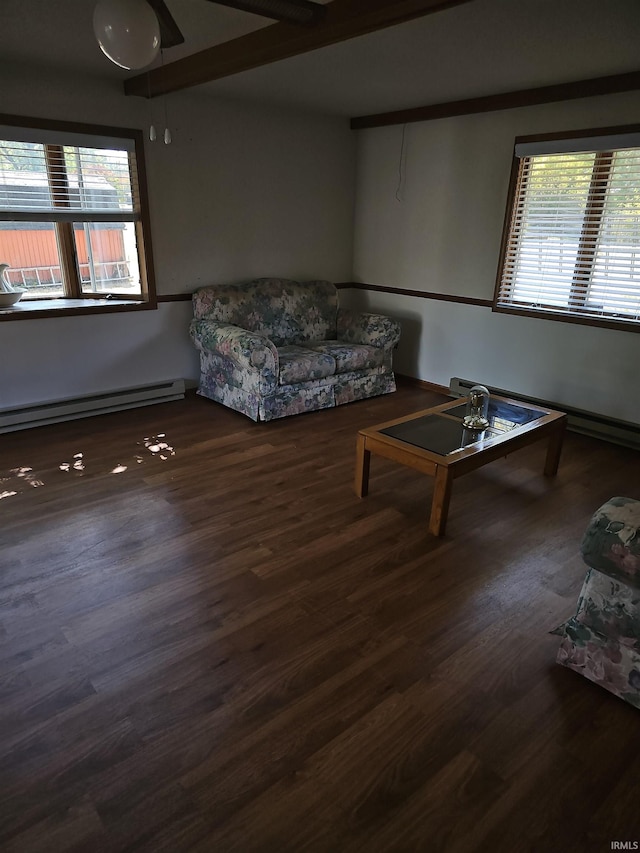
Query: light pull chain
(152, 127)
(400, 165)
(167, 132)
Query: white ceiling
(478, 48)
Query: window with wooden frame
(571, 244)
(74, 226)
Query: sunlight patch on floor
(156, 446)
(27, 475)
(24, 476)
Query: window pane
(553, 202)
(615, 281)
(31, 250)
(23, 177)
(98, 179)
(108, 257)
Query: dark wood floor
(208, 643)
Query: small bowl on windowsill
(9, 298)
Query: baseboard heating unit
(39, 414)
(587, 423)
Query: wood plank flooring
(209, 643)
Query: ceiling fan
(131, 32)
(303, 12)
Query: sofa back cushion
(287, 312)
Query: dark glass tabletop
(444, 435)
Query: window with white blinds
(572, 239)
(72, 217)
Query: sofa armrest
(250, 350)
(376, 330)
(611, 542)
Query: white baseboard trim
(49, 412)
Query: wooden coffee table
(435, 442)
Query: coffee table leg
(440, 501)
(554, 448)
(363, 458)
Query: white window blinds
(573, 241)
(52, 182)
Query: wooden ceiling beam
(613, 84)
(345, 19)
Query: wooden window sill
(37, 308)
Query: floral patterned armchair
(602, 641)
(275, 347)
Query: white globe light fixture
(127, 31)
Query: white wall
(245, 190)
(242, 191)
(65, 357)
(437, 227)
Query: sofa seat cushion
(349, 357)
(301, 364)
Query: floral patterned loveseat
(602, 640)
(275, 347)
